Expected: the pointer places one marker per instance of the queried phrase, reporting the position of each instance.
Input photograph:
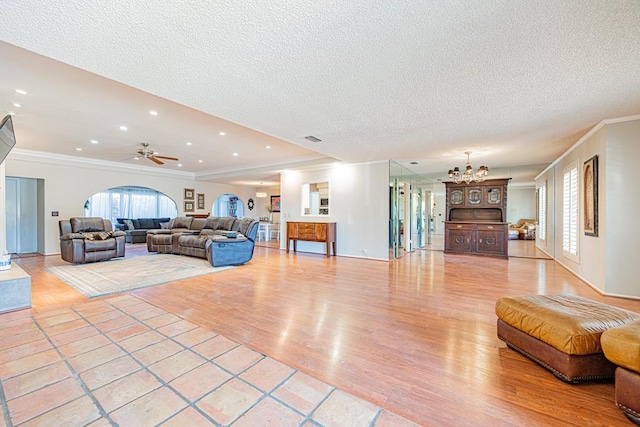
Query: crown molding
(588, 135)
(88, 163)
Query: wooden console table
(312, 232)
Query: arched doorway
(228, 205)
(130, 202)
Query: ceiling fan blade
(165, 157)
(153, 159)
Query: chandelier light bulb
(469, 175)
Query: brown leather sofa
(89, 239)
(221, 240)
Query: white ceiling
(515, 82)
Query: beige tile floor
(121, 361)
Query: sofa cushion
(568, 323)
(225, 223)
(242, 225)
(182, 222)
(86, 224)
(158, 221)
(621, 345)
(129, 224)
(147, 223)
(164, 225)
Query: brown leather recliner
(90, 239)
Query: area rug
(121, 275)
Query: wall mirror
(315, 198)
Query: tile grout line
(306, 417)
(146, 368)
(75, 375)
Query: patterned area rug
(120, 275)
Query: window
(542, 212)
(130, 202)
(570, 212)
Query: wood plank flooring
(416, 336)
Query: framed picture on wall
(200, 200)
(590, 196)
(188, 193)
(275, 203)
(188, 206)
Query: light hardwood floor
(416, 336)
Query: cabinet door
(459, 239)
(321, 232)
(456, 197)
(491, 242)
(292, 230)
(494, 195)
(473, 197)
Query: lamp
(469, 174)
(261, 194)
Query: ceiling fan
(148, 153)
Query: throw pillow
(182, 222)
(164, 225)
(104, 235)
(87, 236)
(129, 224)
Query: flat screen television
(7, 137)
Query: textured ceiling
(515, 82)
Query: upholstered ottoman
(621, 346)
(561, 332)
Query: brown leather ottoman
(621, 346)
(561, 332)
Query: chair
(274, 231)
(263, 227)
(90, 239)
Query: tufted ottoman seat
(561, 332)
(621, 346)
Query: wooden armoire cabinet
(476, 218)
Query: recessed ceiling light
(78, 149)
(268, 147)
(153, 113)
(179, 165)
(12, 113)
(222, 133)
(200, 161)
(189, 143)
(15, 104)
(21, 92)
(123, 128)
(235, 154)
(93, 141)
(136, 158)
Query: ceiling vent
(312, 138)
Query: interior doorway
(228, 205)
(24, 219)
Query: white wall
(619, 178)
(359, 204)
(521, 203)
(68, 182)
(604, 261)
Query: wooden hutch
(476, 218)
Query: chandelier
(469, 174)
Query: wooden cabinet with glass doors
(476, 218)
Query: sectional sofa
(221, 240)
(136, 229)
